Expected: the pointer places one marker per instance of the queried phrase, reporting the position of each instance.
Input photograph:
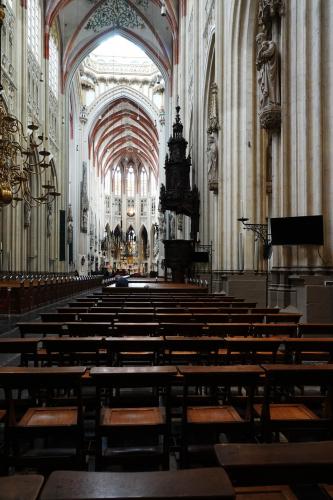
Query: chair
(251, 350)
(135, 423)
(50, 408)
(221, 408)
(272, 329)
(73, 351)
(136, 350)
(290, 405)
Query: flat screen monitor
(297, 230)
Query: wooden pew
(315, 329)
(252, 350)
(229, 329)
(134, 428)
(73, 351)
(40, 328)
(134, 350)
(131, 329)
(21, 487)
(27, 348)
(184, 329)
(98, 317)
(276, 463)
(194, 350)
(88, 329)
(273, 492)
(194, 484)
(282, 317)
(272, 329)
(58, 317)
(137, 317)
(284, 412)
(204, 418)
(309, 349)
(43, 417)
(174, 317)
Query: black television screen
(297, 230)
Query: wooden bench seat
(27, 348)
(274, 492)
(40, 328)
(205, 417)
(134, 349)
(284, 411)
(315, 329)
(275, 463)
(194, 484)
(136, 433)
(274, 329)
(88, 328)
(46, 417)
(21, 487)
(131, 329)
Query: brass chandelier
(22, 157)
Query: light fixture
(22, 157)
(163, 8)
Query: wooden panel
(212, 414)
(131, 416)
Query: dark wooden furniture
(73, 351)
(59, 317)
(27, 348)
(314, 329)
(273, 329)
(276, 463)
(195, 484)
(131, 329)
(88, 328)
(40, 328)
(282, 317)
(136, 349)
(43, 414)
(252, 350)
(183, 328)
(195, 350)
(309, 349)
(273, 492)
(229, 329)
(21, 487)
(292, 409)
(204, 418)
(137, 426)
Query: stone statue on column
(69, 225)
(268, 64)
(84, 200)
(212, 147)
(49, 219)
(212, 162)
(27, 214)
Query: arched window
(54, 64)
(34, 28)
(130, 182)
(143, 183)
(117, 181)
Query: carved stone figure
(268, 67)
(84, 200)
(161, 224)
(69, 225)
(27, 214)
(212, 162)
(172, 227)
(155, 240)
(84, 220)
(49, 221)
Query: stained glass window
(34, 28)
(54, 64)
(117, 182)
(130, 182)
(143, 183)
